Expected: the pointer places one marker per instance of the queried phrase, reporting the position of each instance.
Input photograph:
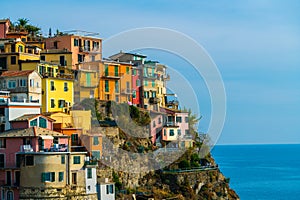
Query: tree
(21, 23)
(33, 30)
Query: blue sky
(255, 44)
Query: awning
(46, 137)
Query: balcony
(26, 148)
(154, 100)
(112, 75)
(58, 75)
(150, 76)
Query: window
(21, 49)
(17, 178)
(179, 132)
(76, 160)
(52, 87)
(12, 84)
(74, 178)
(63, 159)
(117, 98)
(138, 82)
(117, 86)
(66, 86)
(29, 161)
(107, 97)
(33, 122)
(80, 58)
(61, 103)
(134, 94)
(153, 83)
(95, 140)
(127, 70)
(55, 140)
(2, 143)
(55, 44)
(18, 160)
(76, 42)
(187, 132)
(9, 195)
(154, 124)
(52, 103)
(2, 161)
(165, 132)
(146, 83)
(109, 189)
(43, 58)
(48, 177)
(159, 120)
(171, 132)
(154, 94)
(92, 93)
(42, 122)
(106, 86)
(22, 82)
(88, 79)
(134, 72)
(116, 71)
(178, 119)
(186, 119)
(13, 60)
(93, 58)
(60, 176)
(106, 70)
(89, 173)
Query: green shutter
(61, 176)
(116, 71)
(43, 177)
(88, 79)
(106, 70)
(53, 176)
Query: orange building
(115, 81)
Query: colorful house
(151, 101)
(14, 52)
(24, 86)
(60, 57)
(31, 120)
(176, 125)
(10, 110)
(137, 61)
(57, 86)
(4, 27)
(44, 156)
(115, 81)
(86, 81)
(83, 48)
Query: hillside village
(59, 108)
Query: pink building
(30, 120)
(83, 48)
(176, 126)
(4, 27)
(156, 125)
(14, 143)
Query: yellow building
(62, 57)
(160, 83)
(115, 81)
(57, 86)
(86, 81)
(14, 52)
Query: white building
(106, 190)
(10, 110)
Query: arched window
(10, 195)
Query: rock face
(206, 184)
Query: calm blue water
(261, 171)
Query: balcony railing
(154, 100)
(26, 148)
(111, 75)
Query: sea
(265, 172)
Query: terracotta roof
(30, 116)
(16, 73)
(31, 132)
